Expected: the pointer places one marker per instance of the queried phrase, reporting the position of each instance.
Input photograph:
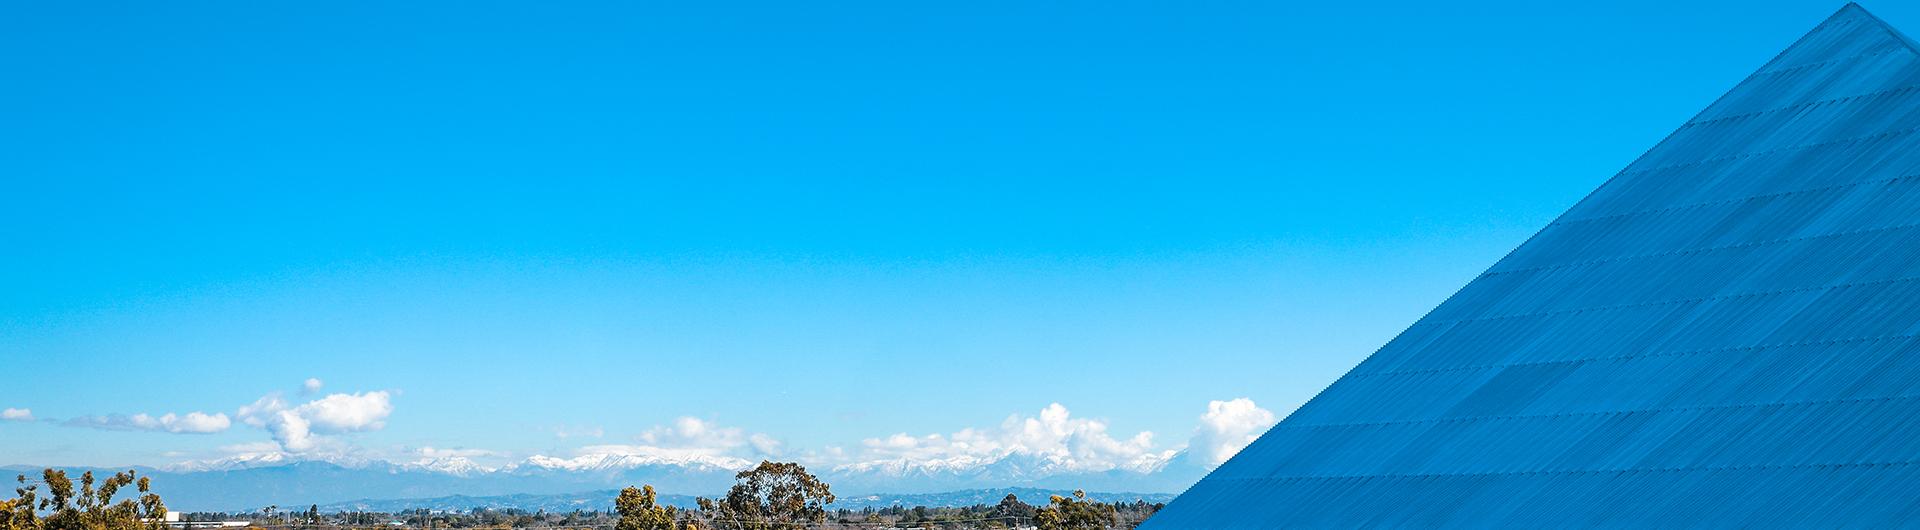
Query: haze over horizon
(869, 237)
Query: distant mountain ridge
(247, 484)
(603, 500)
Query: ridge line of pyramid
(1850, 12)
(1855, 7)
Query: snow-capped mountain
(229, 463)
(604, 462)
(603, 500)
(458, 466)
(248, 482)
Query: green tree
(18, 513)
(773, 495)
(1076, 513)
(639, 510)
(92, 507)
(1010, 511)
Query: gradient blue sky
(820, 221)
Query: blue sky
(537, 228)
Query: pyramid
(1726, 333)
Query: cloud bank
(13, 414)
(1063, 442)
(1049, 442)
(695, 434)
(564, 432)
(189, 423)
(305, 427)
(1228, 427)
(686, 441)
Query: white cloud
(763, 444)
(292, 430)
(190, 423)
(349, 412)
(686, 441)
(564, 432)
(1050, 441)
(672, 453)
(1227, 427)
(689, 434)
(198, 422)
(695, 434)
(1058, 440)
(311, 386)
(13, 414)
(255, 414)
(301, 429)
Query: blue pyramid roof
(1726, 333)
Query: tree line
(91, 507)
(783, 495)
(770, 496)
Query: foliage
(1006, 514)
(1011, 510)
(92, 507)
(771, 495)
(639, 510)
(1076, 513)
(17, 513)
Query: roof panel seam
(1797, 106)
(1703, 249)
(1734, 200)
(1655, 355)
(1749, 294)
(1837, 465)
(1813, 65)
(1617, 412)
(1769, 152)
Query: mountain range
(246, 484)
(603, 500)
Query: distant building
(1726, 334)
(209, 524)
(172, 519)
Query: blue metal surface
(1727, 333)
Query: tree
(18, 513)
(1076, 513)
(90, 508)
(313, 514)
(769, 496)
(639, 511)
(687, 521)
(1011, 510)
